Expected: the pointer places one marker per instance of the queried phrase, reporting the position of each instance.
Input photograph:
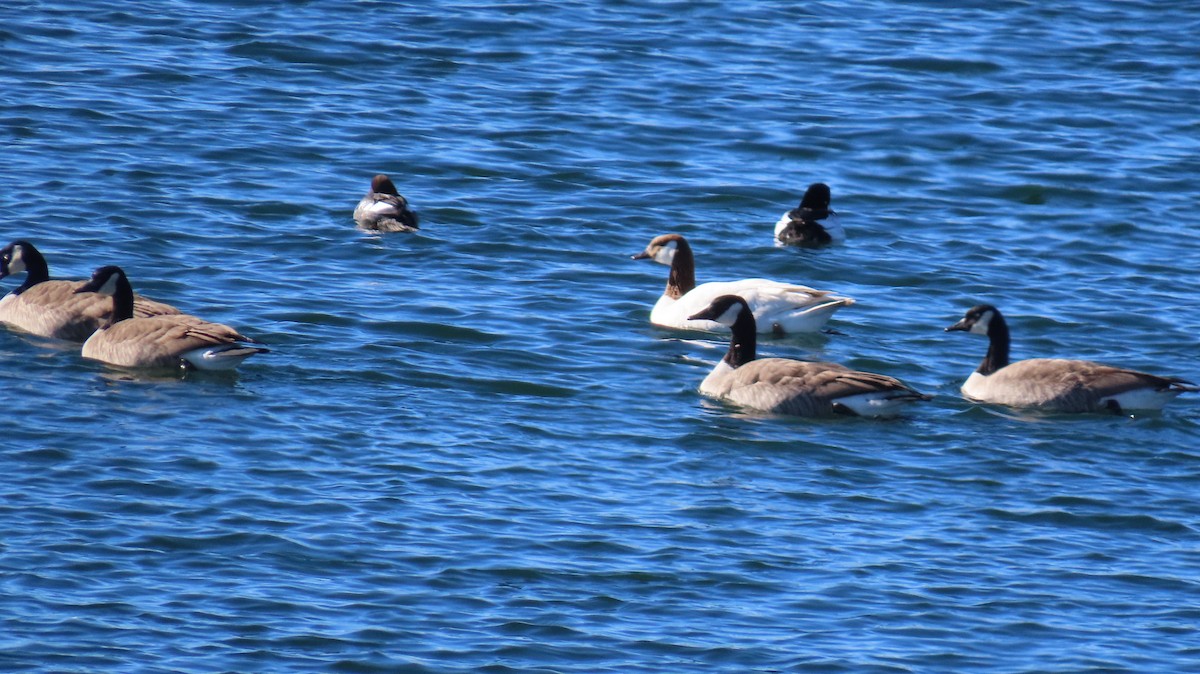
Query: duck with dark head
(383, 209)
(811, 224)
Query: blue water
(468, 451)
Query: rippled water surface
(469, 451)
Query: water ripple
(468, 451)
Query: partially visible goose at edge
(779, 308)
(383, 208)
(1056, 384)
(52, 309)
(159, 342)
(811, 224)
(788, 386)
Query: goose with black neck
(160, 342)
(1057, 384)
(51, 308)
(796, 387)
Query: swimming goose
(788, 386)
(1056, 384)
(168, 341)
(384, 209)
(51, 308)
(811, 224)
(779, 308)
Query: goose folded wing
(205, 333)
(1078, 383)
(761, 292)
(144, 307)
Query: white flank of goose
(788, 386)
(52, 309)
(159, 342)
(811, 224)
(383, 208)
(1057, 384)
(779, 308)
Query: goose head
(662, 249)
(13, 257)
(978, 320)
(733, 311)
(105, 281)
(111, 281)
(986, 320)
(726, 310)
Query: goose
(167, 341)
(1057, 384)
(779, 308)
(51, 309)
(811, 224)
(383, 208)
(788, 386)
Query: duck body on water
(383, 209)
(813, 223)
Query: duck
(159, 342)
(47, 308)
(790, 386)
(1057, 384)
(383, 209)
(779, 308)
(813, 223)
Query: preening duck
(52, 309)
(159, 342)
(811, 224)
(1057, 384)
(383, 208)
(788, 386)
(779, 308)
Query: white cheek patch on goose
(110, 286)
(16, 263)
(730, 315)
(665, 254)
(980, 327)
